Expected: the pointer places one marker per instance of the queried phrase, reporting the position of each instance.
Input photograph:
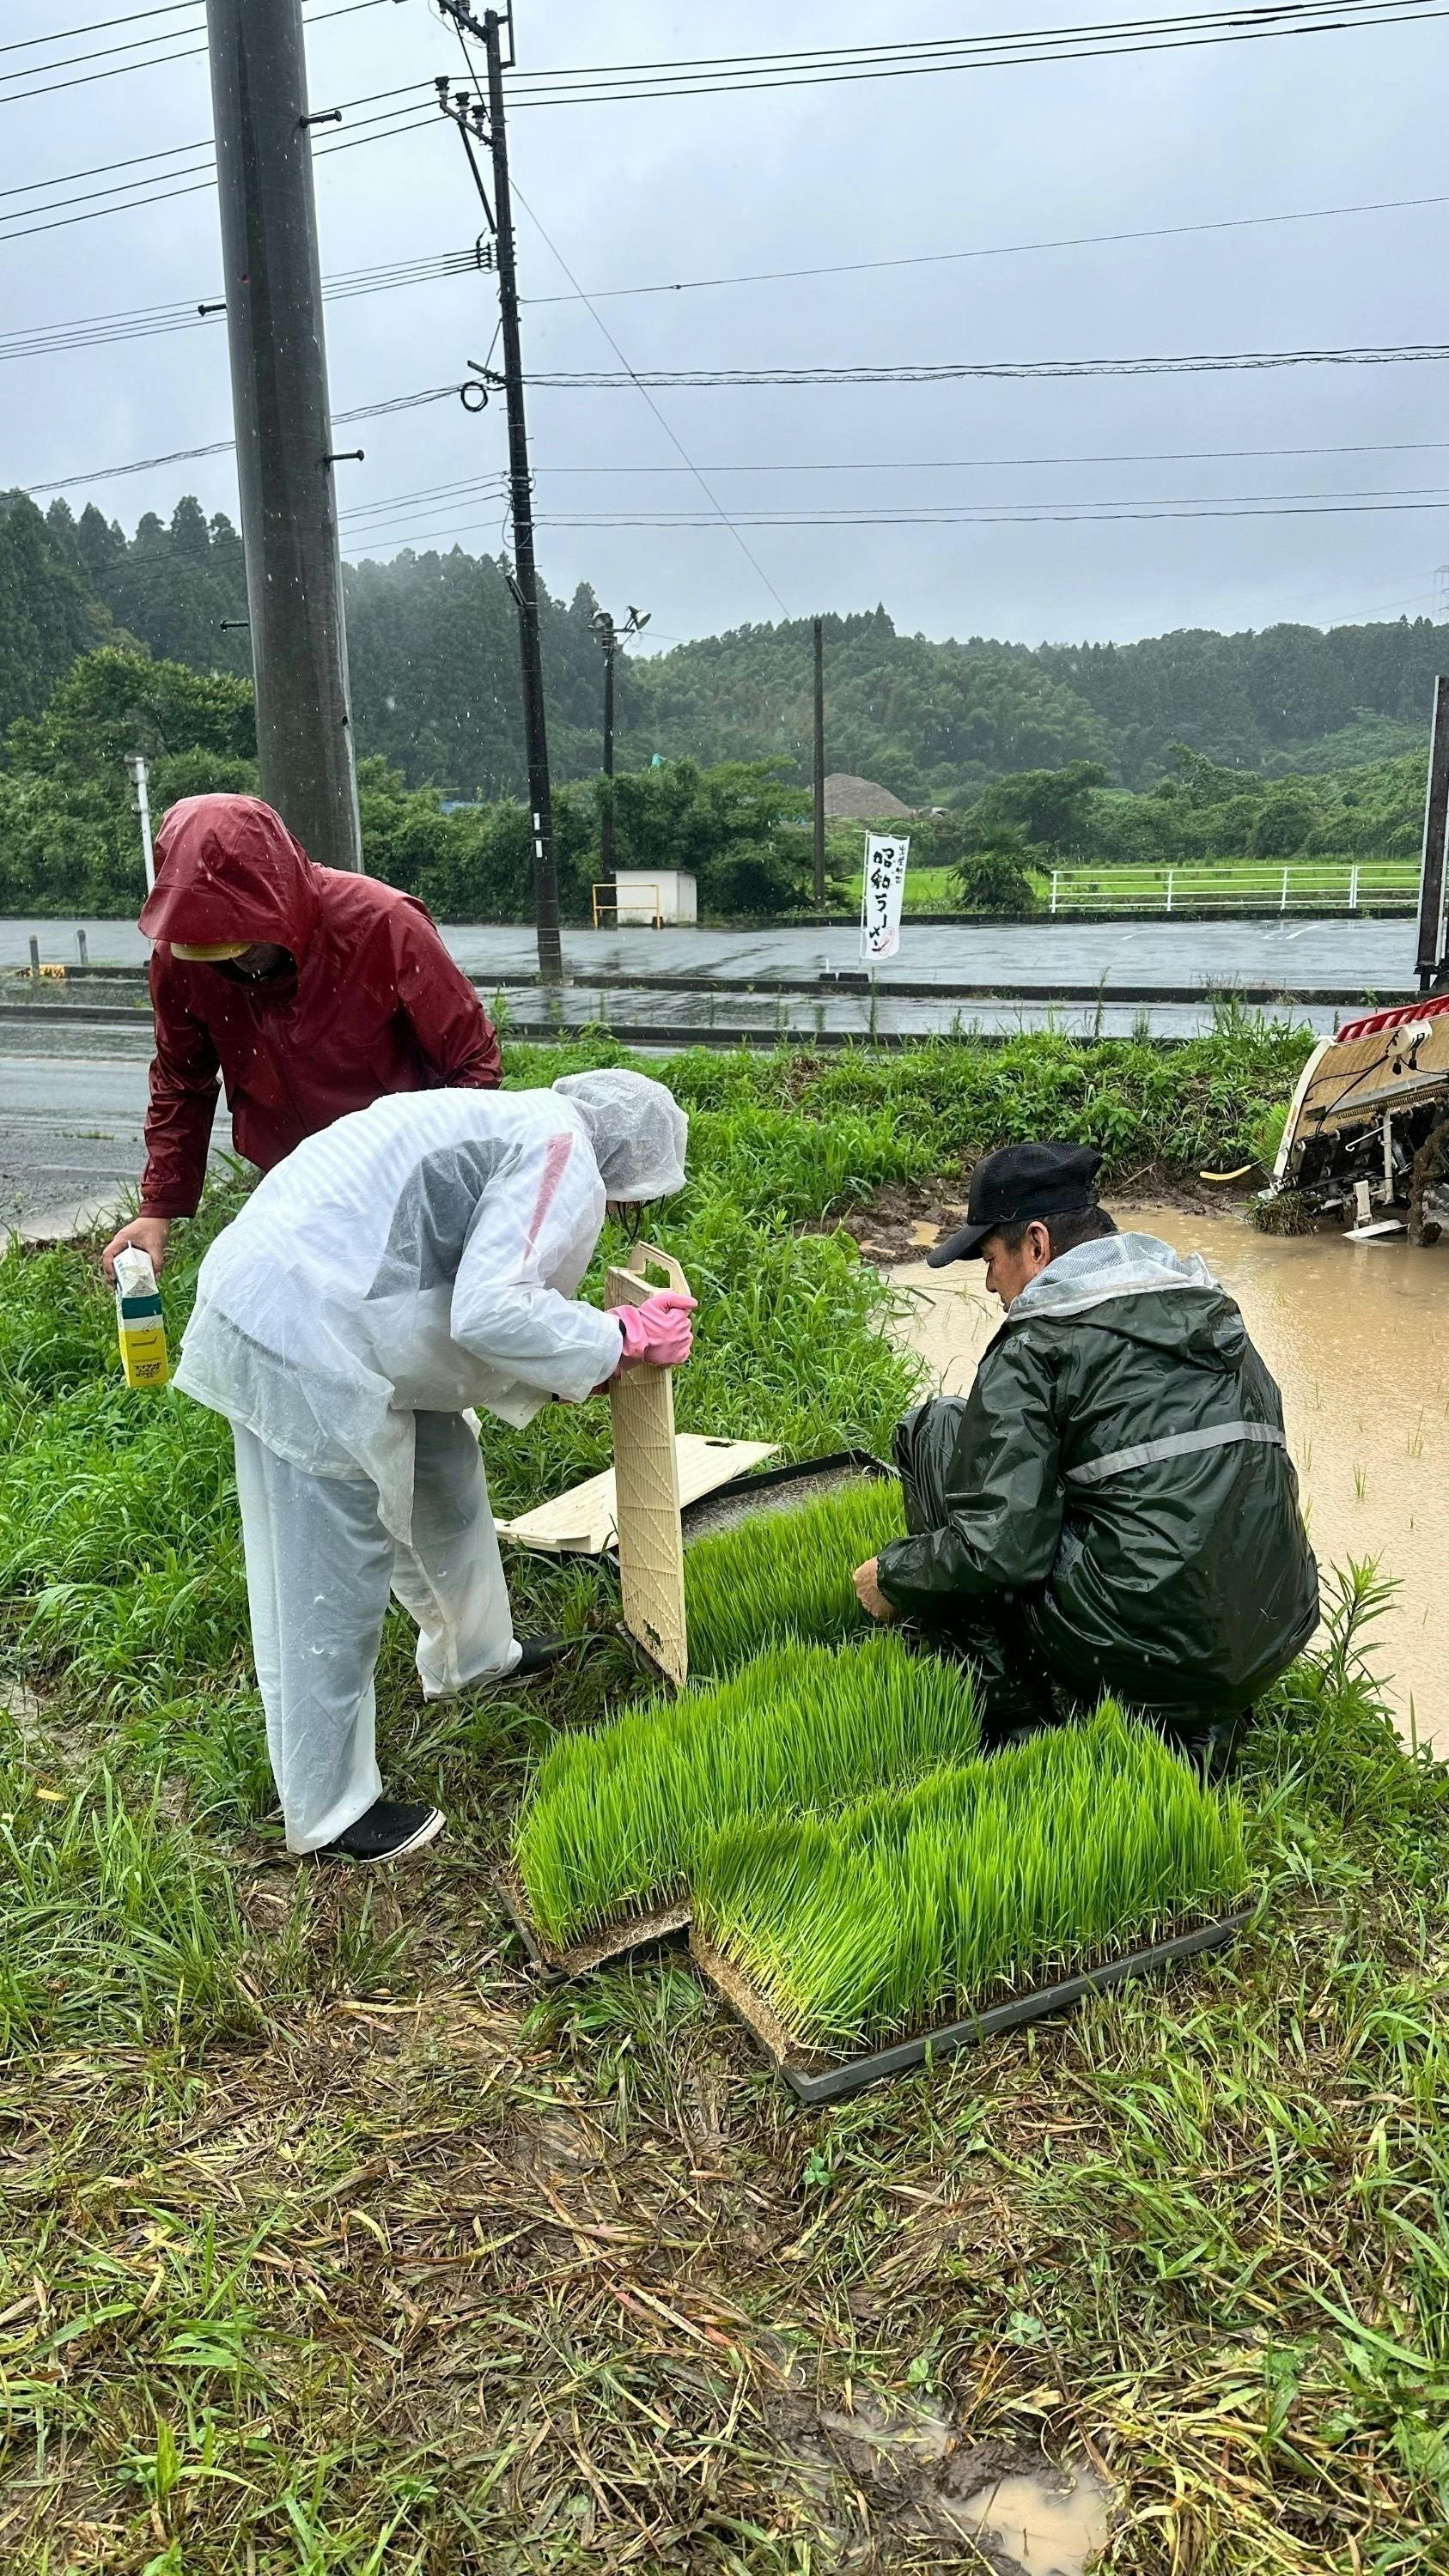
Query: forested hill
(432, 641)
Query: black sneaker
(540, 1654)
(388, 1831)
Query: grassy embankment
(331, 2246)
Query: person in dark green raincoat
(1112, 1508)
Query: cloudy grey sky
(639, 194)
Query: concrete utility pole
(284, 451)
(520, 482)
(1436, 821)
(610, 636)
(819, 636)
(137, 773)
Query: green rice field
(1247, 885)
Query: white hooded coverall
(416, 1259)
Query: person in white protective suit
(415, 1260)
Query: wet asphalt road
(1294, 953)
(72, 1096)
(70, 1131)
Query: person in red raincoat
(309, 991)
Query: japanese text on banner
(880, 899)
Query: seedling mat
(601, 1949)
(814, 2078)
(779, 1489)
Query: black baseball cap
(1015, 1184)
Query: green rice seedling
(915, 1905)
(785, 1575)
(616, 1821)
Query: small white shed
(649, 896)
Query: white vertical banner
(882, 888)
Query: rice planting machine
(1366, 1137)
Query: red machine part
(1399, 1018)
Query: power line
(806, 56)
(1313, 17)
(1000, 250)
(162, 320)
(185, 315)
(79, 79)
(393, 122)
(960, 464)
(593, 84)
(181, 151)
(1001, 514)
(224, 446)
(63, 179)
(93, 26)
(675, 442)
(426, 499)
(986, 515)
(1001, 370)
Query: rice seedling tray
(601, 1949)
(775, 1489)
(817, 2079)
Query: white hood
(1114, 1265)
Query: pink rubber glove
(658, 1332)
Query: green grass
(615, 1822)
(785, 1575)
(394, 2267)
(113, 1924)
(914, 1907)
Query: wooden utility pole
(819, 638)
(1436, 820)
(284, 452)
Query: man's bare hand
(870, 1595)
(148, 1234)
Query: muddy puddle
(1039, 2526)
(1357, 1336)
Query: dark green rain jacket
(1120, 1461)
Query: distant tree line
(68, 837)
(69, 841)
(432, 643)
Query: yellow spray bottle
(140, 1324)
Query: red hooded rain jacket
(375, 1004)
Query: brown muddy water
(1039, 2527)
(1357, 1335)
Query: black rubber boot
(540, 1654)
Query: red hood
(228, 868)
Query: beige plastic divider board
(585, 1520)
(646, 1483)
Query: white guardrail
(1180, 890)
